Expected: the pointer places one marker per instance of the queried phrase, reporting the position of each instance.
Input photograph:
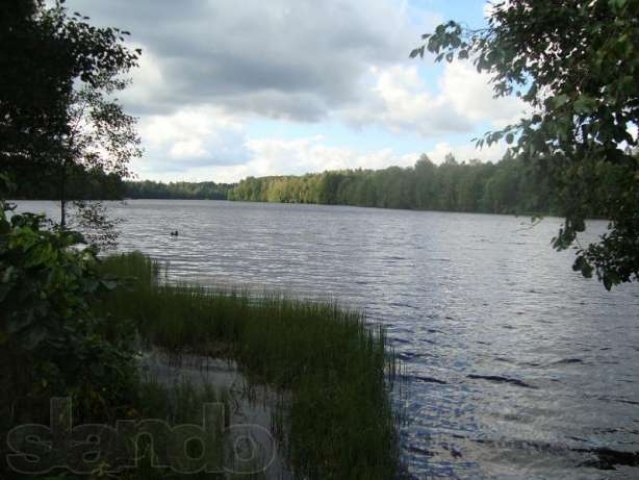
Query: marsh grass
(336, 369)
(177, 404)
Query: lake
(516, 367)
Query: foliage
(95, 184)
(81, 184)
(177, 190)
(576, 64)
(35, 83)
(505, 187)
(51, 343)
(98, 229)
(76, 123)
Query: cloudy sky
(232, 88)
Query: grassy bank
(335, 369)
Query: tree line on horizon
(95, 184)
(505, 187)
(176, 190)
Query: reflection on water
(516, 367)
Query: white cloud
(204, 142)
(192, 137)
(278, 58)
(399, 99)
(147, 86)
(466, 152)
(344, 60)
(213, 173)
(192, 148)
(472, 96)
(277, 157)
(272, 156)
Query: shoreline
(332, 369)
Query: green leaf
(417, 51)
(583, 104)
(560, 100)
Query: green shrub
(51, 342)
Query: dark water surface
(516, 367)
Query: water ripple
(477, 308)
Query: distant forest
(503, 187)
(177, 190)
(96, 185)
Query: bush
(51, 342)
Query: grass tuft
(335, 368)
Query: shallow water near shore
(250, 409)
(516, 366)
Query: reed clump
(335, 368)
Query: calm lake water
(516, 367)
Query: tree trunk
(63, 199)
